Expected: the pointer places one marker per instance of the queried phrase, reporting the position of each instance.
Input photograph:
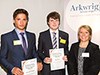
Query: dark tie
(24, 43)
(54, 40)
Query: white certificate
(99, 73)
(57, 61)
(29, 67)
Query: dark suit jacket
(12, 55)
(90, 64)
(45, 43)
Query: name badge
(17, 42)
(63, 41)
(85, 54)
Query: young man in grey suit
(45, 43)
(13, 50)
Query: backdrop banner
(80, 12)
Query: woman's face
(84, 35)
(21, 21)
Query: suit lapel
(15, 37)
(28, 41)
(60, 35)
(87, 51)
(87, 48)
(49, 39)
(77, 50)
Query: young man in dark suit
(12, 49)
(45, 43)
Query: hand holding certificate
(29, 67)
(57, 61)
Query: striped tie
(54, 40)
(24, 43)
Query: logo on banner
(80, 12)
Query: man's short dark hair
(54, 15)
(19, 11)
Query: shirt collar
(18, 31)
(51, 31)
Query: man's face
(20, 21)
(53, 24)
